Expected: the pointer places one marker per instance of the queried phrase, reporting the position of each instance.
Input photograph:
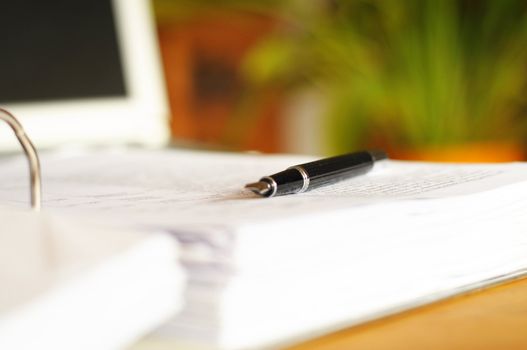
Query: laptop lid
(82, 73)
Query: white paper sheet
(195, 189)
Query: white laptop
(85, 73)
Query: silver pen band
(272, 182)
(305, 177)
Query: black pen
(305, 177)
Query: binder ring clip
(31, 155)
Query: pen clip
(31, 155)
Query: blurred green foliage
(413, 73)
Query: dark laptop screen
(58, 49)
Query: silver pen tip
(261, 187)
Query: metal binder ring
(31, 155)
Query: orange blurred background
(202, 55)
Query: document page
(195, 189)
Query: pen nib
(260, 187)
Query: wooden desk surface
(494, 318)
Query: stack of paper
(265, 272)
(73, 285)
